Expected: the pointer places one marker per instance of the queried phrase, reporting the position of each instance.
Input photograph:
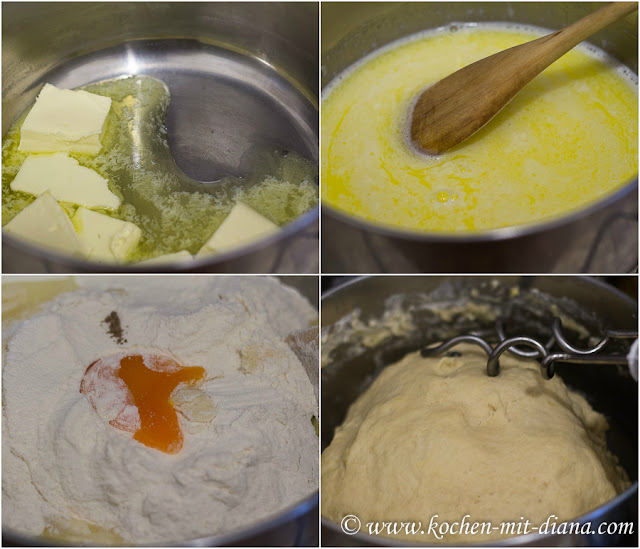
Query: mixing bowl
(242, 77)
(295, 526)
(356, 349)
(602, 237)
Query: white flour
(257, 456)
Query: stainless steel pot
(599, 238)
(295, 526)
(247, 70)
(609, 390)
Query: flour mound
(250, 449)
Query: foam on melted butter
(568, 139)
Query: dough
(437, 436)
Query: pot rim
(525, 539)
(330, 293)
(292, 512)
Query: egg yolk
(145, 382)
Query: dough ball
(437, 436)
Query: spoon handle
(456, 107)
(555, 45)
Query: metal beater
(545, 353)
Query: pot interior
(231, 94)
(240, 76)
(351, 30)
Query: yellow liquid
(173, 212)
(567, 140)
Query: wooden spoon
(459, 105)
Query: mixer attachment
(556, 350)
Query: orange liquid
(149, 389)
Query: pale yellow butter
(242, 226)
(66, 180)
(182, 255)
(46, 224)
(105, 238)
(65, 120)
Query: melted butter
(567, 140)
(173, 211)
(77, 531)
(149, 382)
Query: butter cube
(104, 238)
(242, 226)
(65, 120)
(66, 180)
(182, 255)
(46, 224)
